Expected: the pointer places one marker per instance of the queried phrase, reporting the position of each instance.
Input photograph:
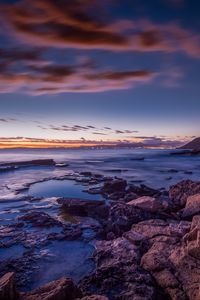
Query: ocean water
(154, 167)
(63, 258)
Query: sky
(90, 72)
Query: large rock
(36, 162)
(8, 288)
(181, 191)
(112, 186)
(84, 207)
(157, 228)
(122, 216)
(62, 289)
(192, 238)
(173, 256)
(147, 203)
(192, 206)
(143, 190)
(118, 274)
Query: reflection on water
(63, 258)
(60, 188)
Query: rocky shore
(147, 243)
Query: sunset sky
(99, 72)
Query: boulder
(112, 186)
(179, 192)
(7, 287)
(122, 216)
(192, 206)
(84, 207)
(173, 256)
(143, 190)
(36, 162)
(147, 203)
(157, 228)
(62, 289)
(118, 274)
(86, 173)
(192, 239)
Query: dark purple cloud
(71, 24)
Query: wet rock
(39, 219)
(172, 258)
(116, 195)
(118, 274)
(62, 289)
(112, 186)
(93, 190)
(156, 228)
(8, 288)
(130, 196)
(179, 192)
(84, 207)
(172, 171)
(192, 206)
(87, 174)
(36, 162)
(143, 190)
(98, 176)
(192, 239)
(122, 216)
(67, 234)
(147, 203)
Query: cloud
(12, 55)
(125, 131)
(28, 142)
(151, 142)
(51, 78)
(99, 133)
(38, 26)
(107, 128)
(6, 120)
(73, 24)
(88, 128)
(63, 23)
(122, 75)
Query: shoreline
(129, 228)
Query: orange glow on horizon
(40, 143)
(26, 142)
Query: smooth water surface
(63, 258)
(60, 188)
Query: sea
(157, 168)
